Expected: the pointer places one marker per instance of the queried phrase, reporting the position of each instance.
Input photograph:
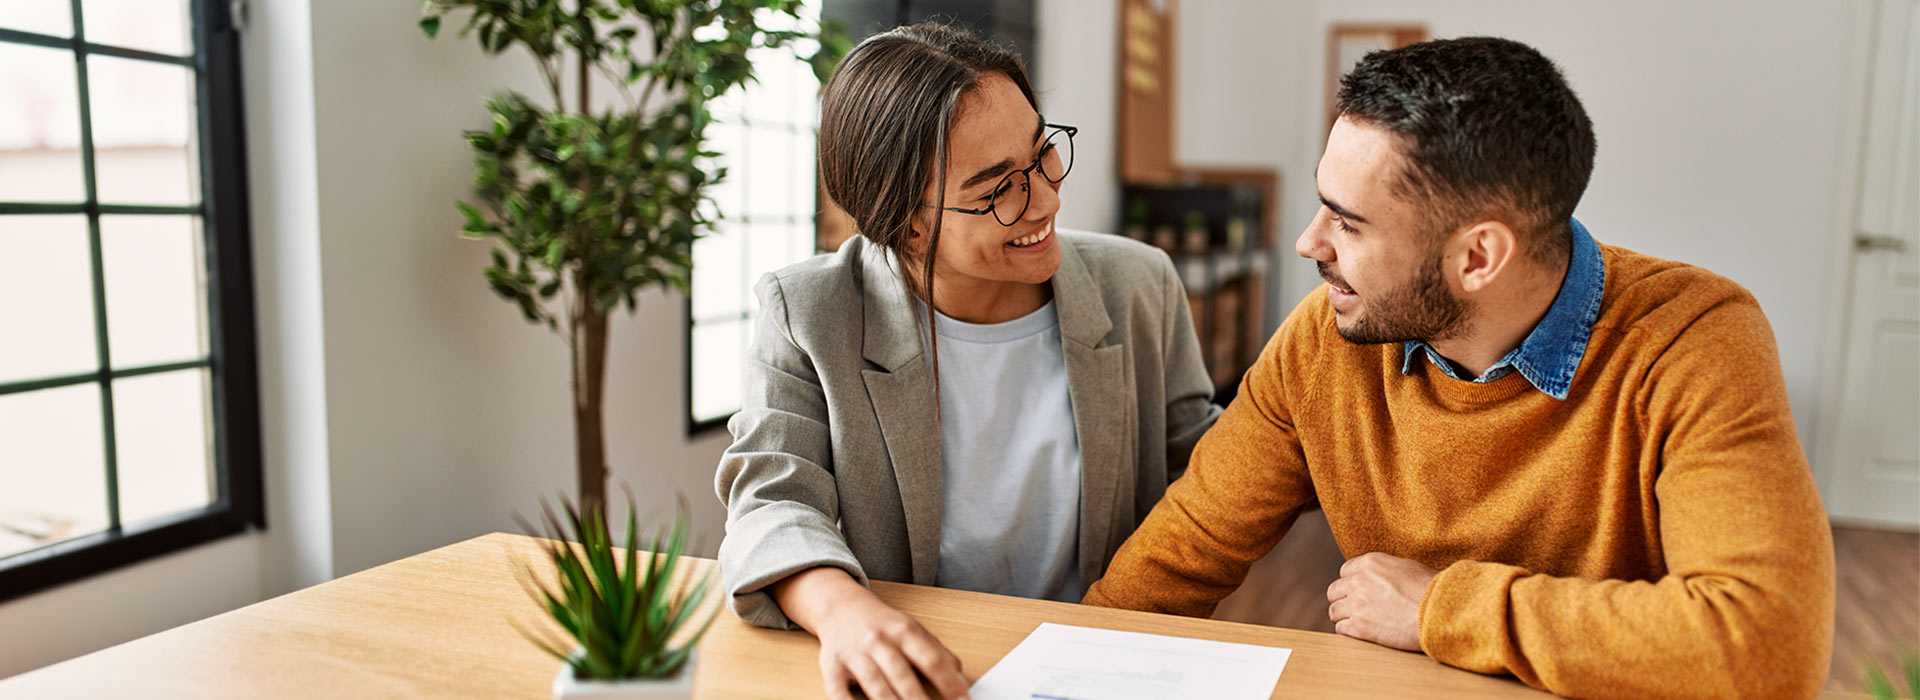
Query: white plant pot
(679, 687)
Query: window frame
(231, 363)
(805, 217)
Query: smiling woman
(964, 395)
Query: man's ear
(1485, 251)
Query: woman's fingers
(872, 680)
(894, 666)
(938, 664)
(836, 677)
(884, 651)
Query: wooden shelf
(1207, 272)
(1219, 225)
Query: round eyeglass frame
(1026, 176)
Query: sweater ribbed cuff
(1463, 617)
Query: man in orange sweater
(1545, 457)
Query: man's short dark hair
(1488, 126)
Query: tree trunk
(589, 372)
(589, 400)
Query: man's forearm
(1681, 636)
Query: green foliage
(613, 199)
(598, 207)
(622, 614)
(835, 43)
(1882, 688)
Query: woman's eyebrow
(1001, 168)
(991, 172)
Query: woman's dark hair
(1487, 125)
(883, 130)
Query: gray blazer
(836, 450)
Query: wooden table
(437, 625)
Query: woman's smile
(1033, 242)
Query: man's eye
(1002, 189)
(1342, 225)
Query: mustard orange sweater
(1657, 534)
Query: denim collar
(1551, 353)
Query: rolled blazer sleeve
(776, 480)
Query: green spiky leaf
(623, 610)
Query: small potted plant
(631, 619)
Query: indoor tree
(587, 208)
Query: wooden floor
(1877, 610)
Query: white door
(1873, 469)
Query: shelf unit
(1219, 226)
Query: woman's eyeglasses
(1015, 191)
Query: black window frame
(810, 220)
(231, 363)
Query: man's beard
(1423, 309)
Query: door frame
(1824, 451)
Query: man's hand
(1378, 599)
(865, 642)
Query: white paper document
(1062, 662)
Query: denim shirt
(1551, 353)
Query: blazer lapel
(1096, 381)
(903, 399)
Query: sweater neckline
(1451, 391)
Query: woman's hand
(864, 641)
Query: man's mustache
(1326, 273)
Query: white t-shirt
(1010, 459)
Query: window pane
(161, 437)
(770, 99)
(773, 246)
(156, 289)
(46, 327)
(728, 107)
(143, 131)
(718, 351)
(148, 25)
(42, 17)
(768, 164)
(769, 199)
(726, 139)
(795, 100)
(718, 287)
(39, 125)
(806, 200)
(53, 463)
(806, 95)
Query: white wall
(277, 55)
(445, 411)
(149, 597)
(1718, 122)
(1077, 43)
